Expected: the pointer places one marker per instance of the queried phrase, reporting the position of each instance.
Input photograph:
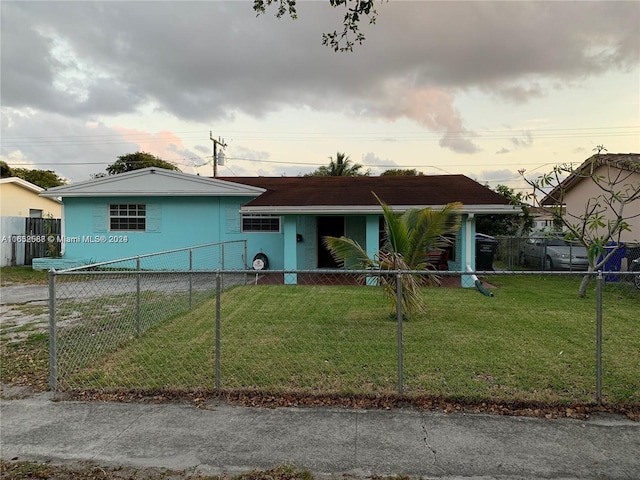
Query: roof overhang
(372, 209)
(28, 186)
(622, 161)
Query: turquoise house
(282, 219)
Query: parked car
(635, 269)
(553, 252)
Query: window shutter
(154, 217)
(100, 218)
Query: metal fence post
(53, 351)
(217, 341)
(190, 278)
(599, 338)
(246, 260)
(399, 319)
(222, 262)
(138, 296)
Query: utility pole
(215, 151)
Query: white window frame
(130, 208)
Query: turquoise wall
(356, 229)
(172, 222)
(177, 222)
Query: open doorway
(328, 227)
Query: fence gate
(43, 228)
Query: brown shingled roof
(424, 190)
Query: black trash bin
(486, 247)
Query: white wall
(577, 197)
(11, 253)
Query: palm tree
(411, 241)
(340, 167)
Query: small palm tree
(342, 166)
(411, 241)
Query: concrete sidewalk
(235, 439)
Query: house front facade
(24, 215)
(578, 193)
(282, 219)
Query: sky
(479, 88)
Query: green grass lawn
(22, 275)
(533, 341)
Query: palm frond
(395, 229)
(349, 253)
(410, 238)
(411, 299)
(429, 232)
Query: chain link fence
(525, 335)
(539, 252)
(97, 309)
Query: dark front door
(328, 227)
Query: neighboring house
(543, 220)
(19, 198)
(23, 213)
(283, 218)
(620, 169)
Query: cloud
(203, 148)
(430, 107)
(375, 164)
(244, 161)
(165, 145)
(75, 149)
(207, 61)
(519, 92)
(498, 175)
(524, 142)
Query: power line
(415, 136)
(188, 162)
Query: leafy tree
(356, 11)
(342, 166)
(605, 216)
(400, 171)
(412, 240)
(507, 225)
(42, 178)
(5, 170)
(136, 161)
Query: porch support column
(468, 260)
(290, 249)
(372, 240)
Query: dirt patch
(16, 392)
(385, 402)
(16, 469)
(18, 321)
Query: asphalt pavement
(16, 294)
(327, 441)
